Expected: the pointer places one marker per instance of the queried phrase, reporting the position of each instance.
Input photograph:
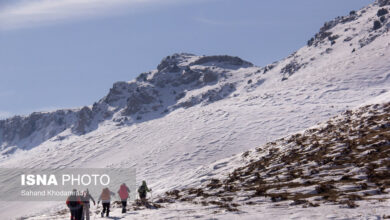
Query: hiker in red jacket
(124, 195)
(75, 205)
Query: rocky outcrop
(137, 99)
(189, 76)
(36, 128)
(291, 68)
(229, 60)
(325, 33)
(383, 2)
(208, 97)
(170, 63)
(84, 120)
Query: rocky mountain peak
(171, 63)
(383, 2)
(177, 75)
(178, 61)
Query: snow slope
(194, 110)
(338, 169)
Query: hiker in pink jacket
(105, 197)
(124, 195)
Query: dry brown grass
(320, 158)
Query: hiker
(124, 195)
(105, 197)
(75, 205)
(142, 190)
(86, 205)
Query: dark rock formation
(383, 2)
(84, 119)
(235, 61)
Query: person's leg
(80, 213)
(124, 203)
(81, 216)
(104, 208)
(86, 212)
(108, 209)
(73, 214)
(143, 199)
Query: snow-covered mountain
(193, 110)
(180, 81)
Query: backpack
(142, 189)
(73, 201)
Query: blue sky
(68, 53)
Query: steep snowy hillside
(193, 110)
(345, 161)
(339, 164)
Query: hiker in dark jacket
(86, 204)
(105, 197)
(124, 195)
(75, 205)
(142, 190)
